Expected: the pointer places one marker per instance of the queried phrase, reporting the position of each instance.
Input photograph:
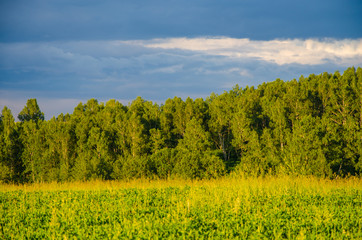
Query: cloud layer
(310, 51)
(63, 72)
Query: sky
(63, 52)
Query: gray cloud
(60, 74)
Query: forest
(310, 126)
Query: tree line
(307, 127)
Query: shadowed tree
(10, 161)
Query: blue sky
(65, 52)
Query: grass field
(227, 208)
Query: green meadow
(225, 208)
(281, 160)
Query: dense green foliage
(235, 209)
(306, 127)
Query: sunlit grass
(225, 208)
(266, 183)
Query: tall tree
(31, 111)
(221, 110)
(195, 158)
(304, 150)
(341, 121)
(34, 142)
(10, 156)
(246, 125)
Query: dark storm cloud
(44, 20)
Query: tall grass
(268, 183)
(225, 208)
